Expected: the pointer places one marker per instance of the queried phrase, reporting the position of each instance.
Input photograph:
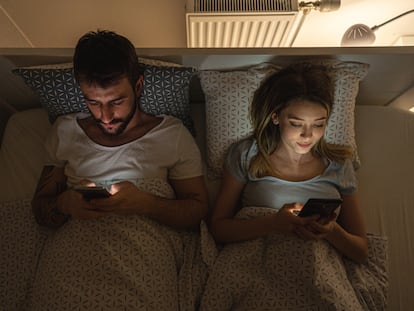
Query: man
(118, 146)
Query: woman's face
(302, 124)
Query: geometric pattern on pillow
(166, 91)
(228, 96)
(21, 243)
(227, 100)
(340, 129)
(165, 84)
(58, 91)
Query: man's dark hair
(103, 57)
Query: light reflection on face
(112, 107)
(302, 124)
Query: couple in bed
(152, 168)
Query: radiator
(242, 23)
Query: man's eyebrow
(88, 99)
(112, 100)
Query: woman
(286, 162)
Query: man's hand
(126, 199)
(73, 203)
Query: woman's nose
(306, 132)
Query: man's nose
(106, 113)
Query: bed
(211, 98)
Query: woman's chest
(274, 193)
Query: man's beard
(124, 123)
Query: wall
(161, 23)
(59, 23)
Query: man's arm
(184, 212)
(190, 206)
(52, 182)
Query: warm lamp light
(320, 5)
(361, 34)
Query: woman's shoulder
(339, 167)
(243, 145)
(242, 151)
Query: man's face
(112, 107)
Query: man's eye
(117, 102)
(295, 124)
(92, 103)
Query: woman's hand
(318, 229)
(287, 221)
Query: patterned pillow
(228, 96)
(165, 90)
(341, 124)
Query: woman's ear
(275, 118)
(138, 85)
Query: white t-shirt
(168, 151)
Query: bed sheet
(281, 272)
(384, 138)
(22, 154)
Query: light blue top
(269, 191)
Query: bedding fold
(281, 272)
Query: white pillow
(341, 124)
(228, 96)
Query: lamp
(320, 5)
(360, 34)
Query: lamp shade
(358, 34)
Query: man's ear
(275, 118)
(139, 85)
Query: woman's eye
(319, 125)
(295, 124)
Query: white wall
(59, 23)
(161, 23)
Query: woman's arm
(225, 228)
(347, 234)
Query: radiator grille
(243, 5)
(242, 23)
(254, 30)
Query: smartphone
(95, 192)
(323, 207)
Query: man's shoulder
(70, 117)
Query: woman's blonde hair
(301, 81)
